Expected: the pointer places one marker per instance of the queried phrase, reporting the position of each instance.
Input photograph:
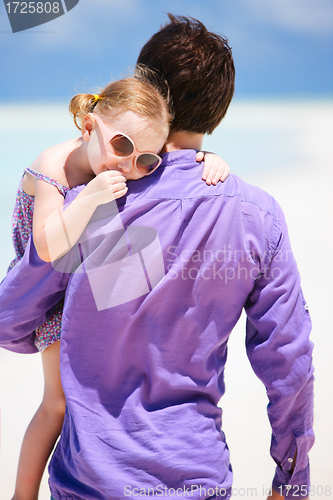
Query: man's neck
(183, 140)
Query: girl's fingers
(200, 156)
(215, 169)
(119, 179)
(112, 173)
(225, 173)
(206, 172)
(118, 187)
(220, 173)
(213, 175)
(119, 194)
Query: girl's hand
(105, 187)
(215, 168)
(63, 228)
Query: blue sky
(282, 48)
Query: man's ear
(87, 126)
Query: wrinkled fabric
(142, 364)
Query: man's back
(143, 370)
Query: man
(142, 361)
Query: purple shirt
(149, 309)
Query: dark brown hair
(199, 69)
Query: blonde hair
(129, 94)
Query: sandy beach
(286, 149)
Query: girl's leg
(43, 430)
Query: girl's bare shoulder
(51, 162)
(47, 163)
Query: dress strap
(63, 190)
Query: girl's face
(143, 132)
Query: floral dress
(50, 331)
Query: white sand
(303, 187)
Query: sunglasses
(122, 146)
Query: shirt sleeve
(280, 352)
(28, 295)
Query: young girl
(123, 130)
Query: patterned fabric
(62, 189)
(21, 223)
(49, 332)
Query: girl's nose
(125, 165)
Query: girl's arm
(55, 231)
(215, 169)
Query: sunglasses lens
(121, 146)
(146, 163)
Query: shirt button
(290, 460)
(306, 307)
